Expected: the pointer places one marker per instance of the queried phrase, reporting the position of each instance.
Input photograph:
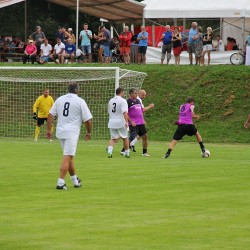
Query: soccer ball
(205, 154)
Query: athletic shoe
(64, 187)
(132, 148)
(145, 154)
(127, 156)
(109, 155)
(51, 140)
(35, 140)
(166, 156)
(122, 153)
(79, 183)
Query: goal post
(21, 86)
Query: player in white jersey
(118, 121)
(71, 111)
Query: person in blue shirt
(167, 44)
(190, 45)
(143, 44)
(70, 50)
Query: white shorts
(119, 132)
(208, 47)
(69, 146)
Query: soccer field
(146, 203)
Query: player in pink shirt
(185, 126)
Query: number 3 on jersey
(66, 109)
(114, 107)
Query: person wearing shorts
(167, 44)
(46, 50)
(136, 121)
(71, 111)
(41, 110)
(190, 45)
(185, 126)
(143, 44)
(207, 46)
(85, 37)
(106, 43)
(118, 122)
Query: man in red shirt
(125, 43)
(30, 52)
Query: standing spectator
(207, 46)
(177, 38)
(58, 53)
(70, 50)
(246, 124)
(136, 121)
(41, 110)
(229, 45)
(125, 43)
(98, 45)
(143, 44)
(30, 52)
(190, 45)
(118, 122)
(220, 44)
(85, 37)
(106, 43)
(38, 36)
(185, 126)
(167, 44)
(198, 45)
(46, 50)
(60, 34)
(71, 111)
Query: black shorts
(184, 129)
(40, 121)
(142, 49)
(138, 129)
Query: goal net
(21, 86)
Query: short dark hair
(119, 90)
(85, 24)
(73, 87)
(102, 26)
(131, 91)
(190, 99)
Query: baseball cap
(30, 41)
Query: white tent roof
(4, 3)
(196, 8)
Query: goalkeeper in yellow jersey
(41, 110)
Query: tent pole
(25, 21)
(77, 22)
(221, 23)
(243, 31)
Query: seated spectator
(220, 44)
(58, 53)
(19, 45)
(79, 56)
(12, 45)
(235, 46)
(229, 45)
(46, 49)
(70, 50)
(60, 34)
(30, 52)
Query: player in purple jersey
(185, 126)
(136, 121)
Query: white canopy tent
(235, 12)
(5, 3)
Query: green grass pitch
(184, 202)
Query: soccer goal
(20, 87)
